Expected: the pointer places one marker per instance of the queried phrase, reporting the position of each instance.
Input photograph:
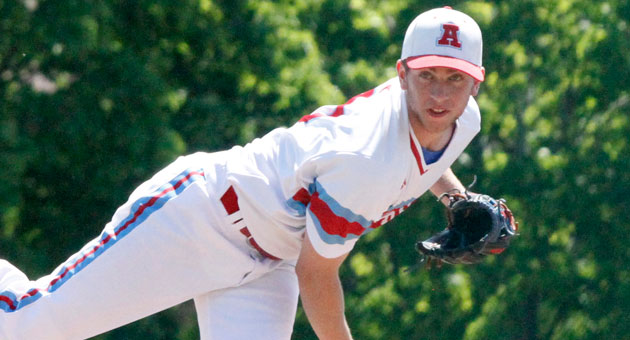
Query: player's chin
(439, 123)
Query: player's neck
(432, 140)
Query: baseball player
(243, 231)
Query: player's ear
(475, 89)
(402, 74)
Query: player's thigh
(262, 309)
(162, 248)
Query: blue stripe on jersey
(339, 211)
(297, 206)
(140, 211)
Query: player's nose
(439, 91)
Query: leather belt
(230, 203)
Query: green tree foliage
(98, 95)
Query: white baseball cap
(444, 37)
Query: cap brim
(426, 61)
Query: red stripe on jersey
(302, 196)
(30, 293)
(365, 94)
(331, 223)
(340, 108)
(338, 111)
(309, 117)
(8, 302)
(230, 201)
(378, 224)
(416, 154)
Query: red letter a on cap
(450, 36)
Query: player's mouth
(437, 112)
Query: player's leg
(262, 309)
(163, 247)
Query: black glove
(478, 225)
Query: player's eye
(456, 77)
(426, 75)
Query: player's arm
(447, 182)
(321, 293)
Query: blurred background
(97, 95)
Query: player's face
(436, 97)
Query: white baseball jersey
(338, 173)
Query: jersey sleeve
(342, 206)
(332, 228)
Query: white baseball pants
(169, 243)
